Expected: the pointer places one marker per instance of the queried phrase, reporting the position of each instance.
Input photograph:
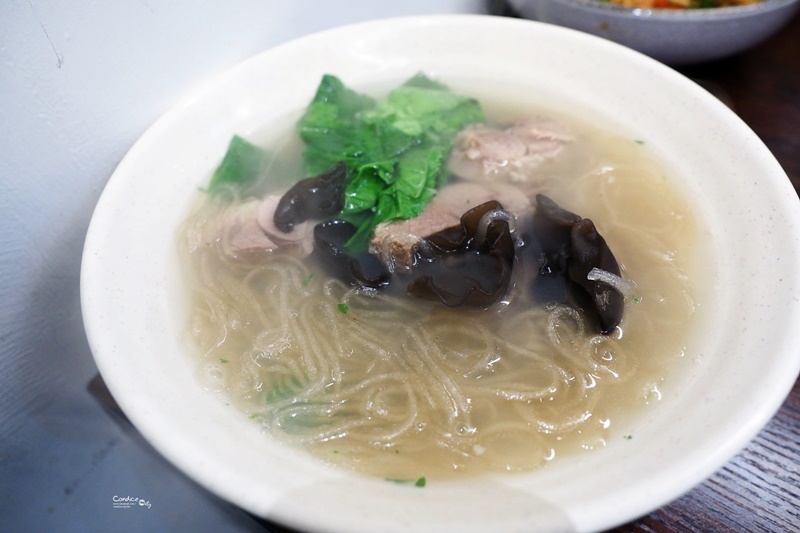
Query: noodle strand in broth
(399, 387)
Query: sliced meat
(245, 230)
(511, 155)
(395, 242)
(238, 231)
(248, 239)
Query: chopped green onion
(223, 361)
(628, 437)
(342, 308)
(308, 280)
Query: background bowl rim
(674, 15)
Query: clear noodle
(401, 388)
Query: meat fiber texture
(509, 155)
(246, 230)
(395, 242)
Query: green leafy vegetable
(424, 82)
(342, 308)
(395, 149)
(240, 168)
(420, 482)
(282, 388)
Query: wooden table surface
(759, 489)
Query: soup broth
(400, 387)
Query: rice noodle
(622, 286)
(399, 387)
(492, 216)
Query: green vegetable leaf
(331, 129)
(362, 193)
(240, 168)
(422, 81)
(342, 308)
(281, 388)
(418, 169)
(395, 149)
(420, 482)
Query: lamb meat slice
(235, 230)
(246, 239)
(396, 242)
(244, 230)
(510, 155)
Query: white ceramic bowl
(746, 360)
(675, 37)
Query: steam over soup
(426, 285)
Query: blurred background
(80, 81)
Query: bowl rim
(676, 15)
(144, 415)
